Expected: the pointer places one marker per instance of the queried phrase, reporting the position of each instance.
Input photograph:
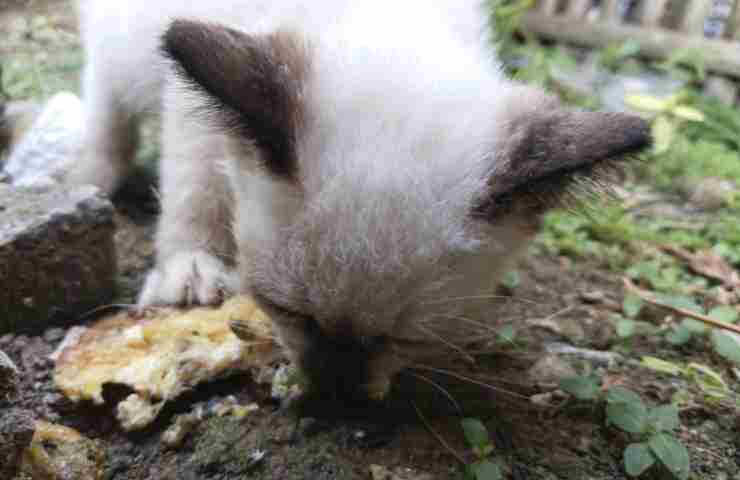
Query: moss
(227, 445)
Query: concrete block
(57, 256)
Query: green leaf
(664, 418)
(709, 381)
(658, 365)
(506, 334)
(679, 335)
(475, 433)
(727, 345)
(485, 470)
(511, 280)
(626, 328)
(632, 305)
(724, 314)
(694, 326)
(622, 395)
(583, 388)
(637, 459)
(679, 301)
(629, 417)
(672, 454)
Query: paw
(189, 278)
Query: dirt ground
(417, 433)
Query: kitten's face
(361, 250)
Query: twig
(438, 436)
(686, 313)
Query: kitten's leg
(195, 246)
(111, 136)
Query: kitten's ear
(253, 83)
(546, 148)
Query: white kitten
(361, 168)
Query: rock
(598, 358)
(47, 150)
(60, 453)
(175, 435)
(549, 370)
(379, 472)
(16, 431)
(57, 257)
(15, 119)
(712, 193)
(8, 377)
(53, 335)
(612, 88)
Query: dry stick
(686, 313)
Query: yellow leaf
(664, 133)
(688, 113)
(646, 103)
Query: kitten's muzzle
(339, 368)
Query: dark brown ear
(547, 148)
(254, 82)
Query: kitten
(363, 169)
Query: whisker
(457, 348)
(439, 388)
(470, 380)
(484, 297)
(469, 320)
(438, 436)
(103, 308)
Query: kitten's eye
(273, 307)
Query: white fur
(404, 109)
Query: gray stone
(56, 256)
(712, 193)
(16, 118)
(596, 357)
(16, 432)
(45, 152)
(8, 377)
(549, 370)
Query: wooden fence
(661, 27)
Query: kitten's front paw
(189, 278)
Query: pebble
(16, 431)
(549, 370)
(46, 151)
(54, 335)
(597, 357)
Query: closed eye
(276, 308)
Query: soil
(419, 429)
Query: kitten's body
(357, 166)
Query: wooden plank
(610, 11)
(721, 56)
(734, 27)
(548, 7)
(578, 8)
(651, 12)
(695, 16)
(721, 88)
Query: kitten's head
(372, 211)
